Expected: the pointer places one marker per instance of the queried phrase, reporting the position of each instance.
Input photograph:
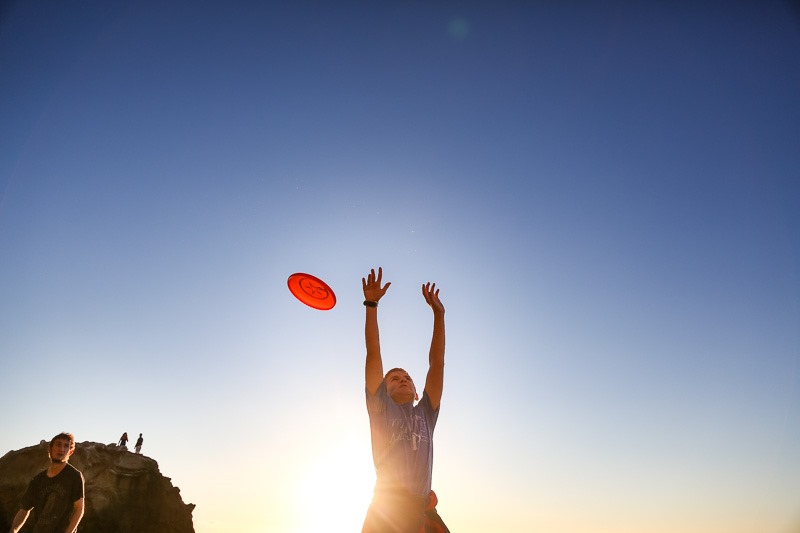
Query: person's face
(400, 386)
(60, 451)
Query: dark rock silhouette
(125, 492)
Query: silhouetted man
(55, 495)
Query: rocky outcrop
(125, 492)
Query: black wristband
(370, 303)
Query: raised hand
(372, 285)
(431, 295)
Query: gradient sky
(607, 194)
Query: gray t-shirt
(402, 441)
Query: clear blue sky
(607, 194)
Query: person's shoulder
(380, 392)
(425, 404)
(377, 403)
(73, 471)
(41, 474)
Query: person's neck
(55, 468)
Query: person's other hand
(431, 295)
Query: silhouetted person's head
(61, 447)
(399, 386)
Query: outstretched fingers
(371, 285)
(370, 279)
(429, 292)
(431, 295)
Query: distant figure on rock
(55, 495)
(123, 440)
(402, 433)
(139, 442)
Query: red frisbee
(312, 291)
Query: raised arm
(434, 382)
(373, 292)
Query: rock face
(125, 492)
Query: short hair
(63, 436)
(398, 369)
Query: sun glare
(333, 493)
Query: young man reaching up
(402, 432)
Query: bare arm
(373, 292)
(77, 514)
(434, 382)
(19, 520)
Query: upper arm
(373, 368)
(434, 384)
(373, 372)
(77, 515)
